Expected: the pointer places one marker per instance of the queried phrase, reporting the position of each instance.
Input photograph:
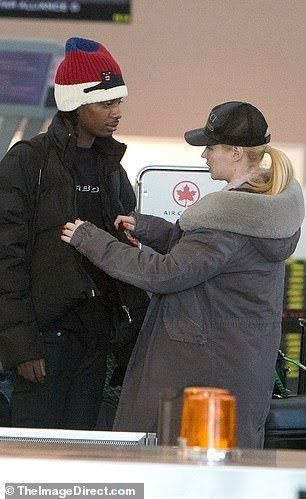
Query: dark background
(103, 10)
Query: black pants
(72, 392)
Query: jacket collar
(260, 175)
(257, 215)
(65, 143)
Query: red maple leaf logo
(186, 194)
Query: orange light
(208, 418)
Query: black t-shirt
(87, 186)
(90, 208)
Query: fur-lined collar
(257, 215)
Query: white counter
(166, 474)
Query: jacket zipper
(127, 311)
(81, 269)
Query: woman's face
(220, 162)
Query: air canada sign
(186, 193)
(167, 191)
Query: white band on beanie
(70, 97)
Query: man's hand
(69, 229)
(33, 370)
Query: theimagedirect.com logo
(62, 491)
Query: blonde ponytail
(281, 170)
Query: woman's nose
(204, 155)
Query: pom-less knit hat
(87, 74)
(235, 123)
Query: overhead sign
(101, 10)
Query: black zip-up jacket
(41, 277)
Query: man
(58, 311)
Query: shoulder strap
(41, 151)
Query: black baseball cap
(233, 123)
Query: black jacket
(41, 277)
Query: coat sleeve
(198, 256)
(19, 335)
(155, 232)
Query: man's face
(98, 120)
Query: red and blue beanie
(87, 74)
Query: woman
(217, 279)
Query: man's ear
(237, 153)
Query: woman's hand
(128, 222)
(69, 229)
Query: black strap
(42, 153)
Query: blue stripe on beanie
(81, 44)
